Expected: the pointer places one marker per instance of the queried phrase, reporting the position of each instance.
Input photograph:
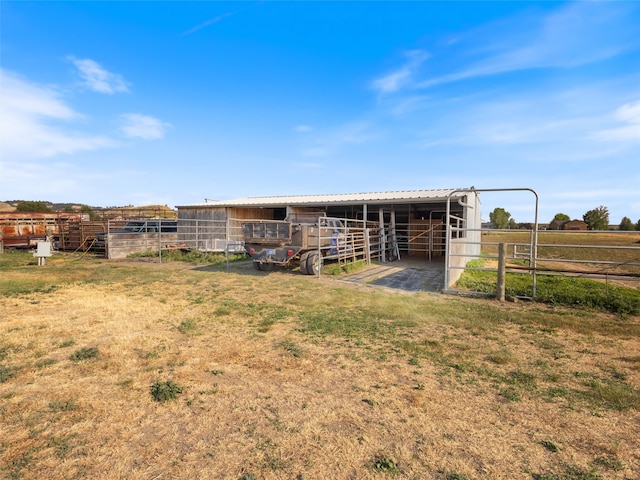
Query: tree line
(596, 219)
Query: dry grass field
(282, 376)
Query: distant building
(568, 225)
(575, 225)
(555, 225)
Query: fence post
(502, 269)
(160, 241)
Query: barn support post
(367, 245)
(383, 236)
(393, 239)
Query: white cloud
(135, 125)
(28, 128)
(355, 133)
(629, 133)
(208, 22)
(575, 34)
(404, 106)
(96, 78)
(629, 114)
(397, 79)
(303, 128)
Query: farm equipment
(307, 239)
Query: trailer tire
(303, 263)
(314, 263)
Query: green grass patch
(616, 396)
(291, 348)
(550, 446)
(270, 317)
(6, 373)
(187, 326)
(69, 342)
(500, 357)
(86, 353)
(341, 322)
(45, 362)
(191, 256)
(349, 267)
(609, 462)
(165, 391)
(385, 464)
(64, 406)
(511, 394)
(14, 288)
(555, 290)
(571, 472)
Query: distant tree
(93, 215)
(513, 225)
(598, 218)
(29, 206)
(561, 217)
(626, 224)
(499, 218)
(638, 225)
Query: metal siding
(344, 198)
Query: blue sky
(118, 103)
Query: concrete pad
(409, 275)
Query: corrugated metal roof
(340, 198)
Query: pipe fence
(609, 256)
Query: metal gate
(463, 242)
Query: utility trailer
(307, 239)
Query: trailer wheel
(303, 263)
(256, 265)
(314, 263)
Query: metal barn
(414, 223)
